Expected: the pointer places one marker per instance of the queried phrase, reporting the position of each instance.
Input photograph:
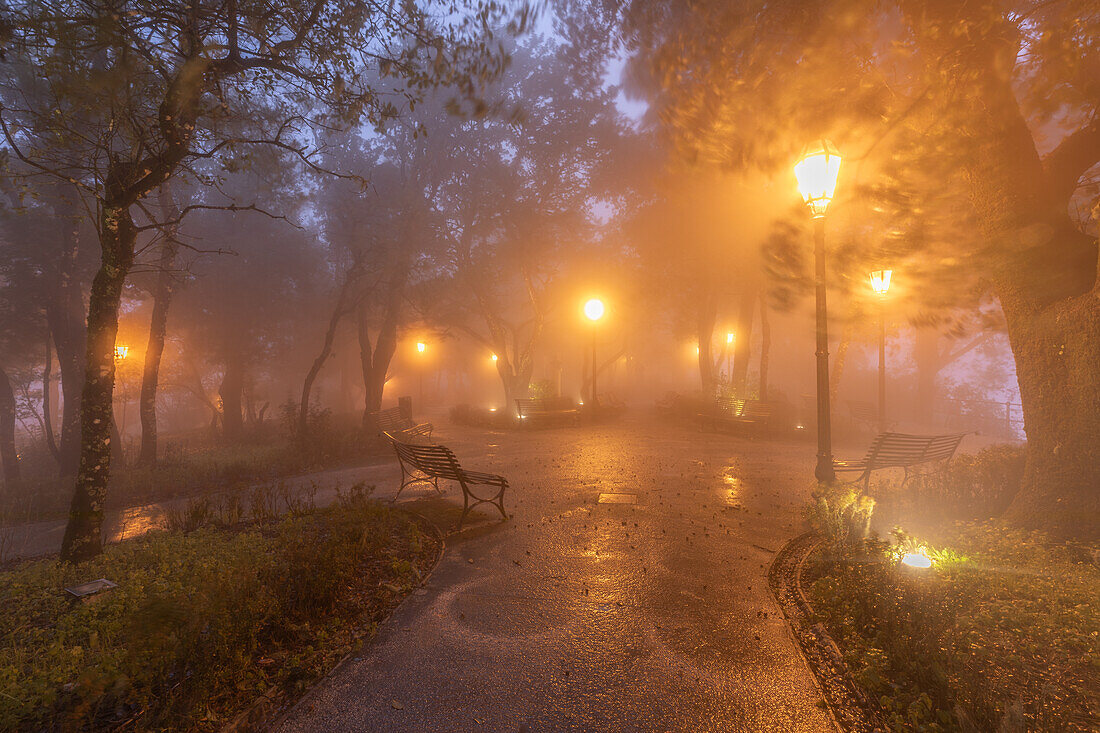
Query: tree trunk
(83, 538)
(1057, 354)
(342, 307)
(765, 344)
(841, 358)
(742, 345)
(375, 362)
(158, 328)
(47, 402)
(8, 455)
(704, 332)
(231, 391)
(65, 317)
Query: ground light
(916, 559)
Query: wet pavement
(648, 611)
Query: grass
(202, 622)
(1002, 633)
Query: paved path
(586, 616)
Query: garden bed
(1001, 633)
(202, 624)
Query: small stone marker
(618, 499)
(90, 588)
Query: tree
(899, 85)
(139, 94)
(519, 189)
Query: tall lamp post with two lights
(817, 171)
(880, 284)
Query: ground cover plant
(202, 622)
(1002, 632)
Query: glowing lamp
(880, 281)
(420, 346)
(494, 357)
(729, 337)
(593, 309)
(916, 559)
(817, 171)
(121, 352)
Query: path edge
(848, 705)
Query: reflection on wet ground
(587, 614)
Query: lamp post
(420, 348)
(593, 310)
(729, 350)
(816, 172)
(880, 284)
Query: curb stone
(848, 705)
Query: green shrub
(200, 623)
(840, 513)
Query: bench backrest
(434, 460)
(526, 405)
(756, 409)
(898, 450)
(390, 420)
(531, 405)
(729, 405)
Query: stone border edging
(261, 713)
(849, 707)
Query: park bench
(392, 422)
(531, 409)
(730, 411)
(900, 450)
(429, 462)
(609, 402)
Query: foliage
(1003, 630)
(841, 513)
(201, 623)
(974, 486)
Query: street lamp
(817, 171)
(121, 352)
(880, 283)
(420, 348)
(729, 350)
(593, 310)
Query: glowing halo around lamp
(880, 281)
(817, 171)
(594, 309)
(917, 559)
(121, 352)
(420, 347)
